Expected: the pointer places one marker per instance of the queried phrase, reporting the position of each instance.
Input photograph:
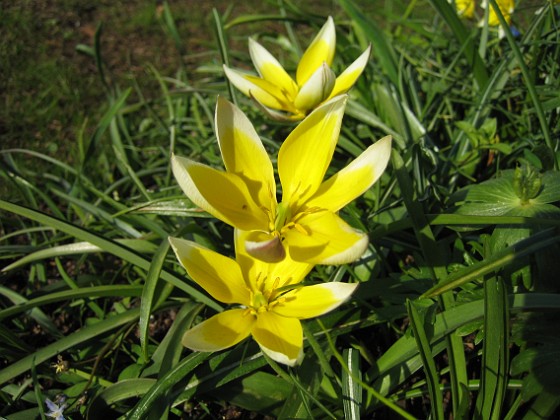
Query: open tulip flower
(282, 97)
(305, 223)
(271, 302)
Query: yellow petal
(354, 179)
(316, 89)
(321, 50)
(329, 240)
(465, 8)
(287, 271)
(218, 275)
(220, 332)
(311, 301)
(223, 195)
(307, 152)
(270, 69)
(243, 152)
(268, 94)
(280, 338)
(349, 76)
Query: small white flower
(56, 410)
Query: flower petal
(268, 249)
(287, 270)
(307, 152)
(270, 69)
(243, 152)
(319, 51)
(354, 179)
(266, 93)
(280, 338)
(281, 116)
(223, 195)
(316, 89)
(220, 332)
(311, 301)
(218, 275)
(349, 76)
(329, 240)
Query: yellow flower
(272, 302)
(315, 82)
(305, 223)
(506, 7)
(465, 8)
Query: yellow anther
(301, 229)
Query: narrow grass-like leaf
(222, 46)
(404, 349)
(148, 294)
(382, 50)
(105, 122)
(529, 82)
(445, 9)
(351, 388)
(417, 323)
(169, 22)
(433, 255)
(122, 390)
(543, 407)
(37, 314)
(138, 245)
(120, 290)
(164, 384)
(495, 353)
(492, 263)
(73, 340)
(108, 245)
(168, 352)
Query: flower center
(266, 296)
(285, 220)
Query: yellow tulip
(305, 224)
(506, 7)
(465, 8)
(272, 303)
(282, 97)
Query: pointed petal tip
(283, 358)
(351, 254)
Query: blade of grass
(138, 245)
(222, 46)
(446, 11)
(108, 245)
(120, 290)
(73, 340)
(351, 389)
(494, 262)
(148, 295)
(417, 323)
(164, 384)
(495, 355)
(122, 390)
(433, 255)
(529, 84)
(382, 50)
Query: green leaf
(76, 339)
(351, 385)
(107, 244)
(418, 324)
(146, 302)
